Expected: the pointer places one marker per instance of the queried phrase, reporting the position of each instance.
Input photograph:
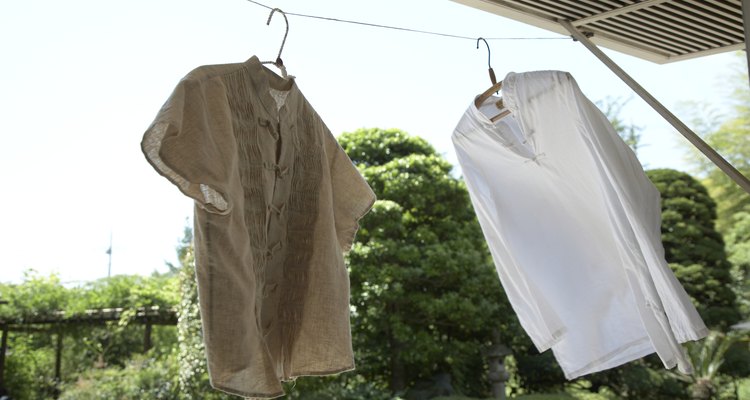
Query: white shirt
(573, 225)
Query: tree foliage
(39, 295)
(142, 377)
(374, 147)
(707, 358)
(738, 246)
(425, 301)
(31, 354)
(191, 352)
(425, 295)
(731, 138)
(631, 134)
(693, 247)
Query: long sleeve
(669, 310)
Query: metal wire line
(346, 21)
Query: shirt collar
(261, 78)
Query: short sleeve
(352, 196)
(190, 143)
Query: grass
(744, 389)
(544, 396)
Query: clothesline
(373, 25)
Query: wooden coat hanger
(279, 63)
(496, 86)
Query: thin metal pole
(707, 150)
(746, 23)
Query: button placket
(280, 147)
(276, 173)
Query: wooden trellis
(147, 316)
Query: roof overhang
(661, 31)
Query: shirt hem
(259, 396)
(692, 335)
(247, 395)
(318, 373)
(600, 363)
(557, 336)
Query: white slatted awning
(661, 31)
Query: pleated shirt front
(573, 225)
(277, 204)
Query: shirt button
(270, 250)
(278, 210)
(268, 289)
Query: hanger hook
(278, 57)
(489, 58)
(489, 54)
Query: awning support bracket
(707, 150)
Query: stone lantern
(497, 375)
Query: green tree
(31, 356)
(191, 353)
(425, 295)
(142, 377)
(30, 359)
(730, 139)
(375, 147)
(693, 247)
(612, 108)
(738, 246)
(29, 365)
(36, 296)
(728, 134)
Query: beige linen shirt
(277, 203)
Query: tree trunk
(398, 373)
(703, 389)
(147, 337)
(398, 378)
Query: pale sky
(80, 81)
